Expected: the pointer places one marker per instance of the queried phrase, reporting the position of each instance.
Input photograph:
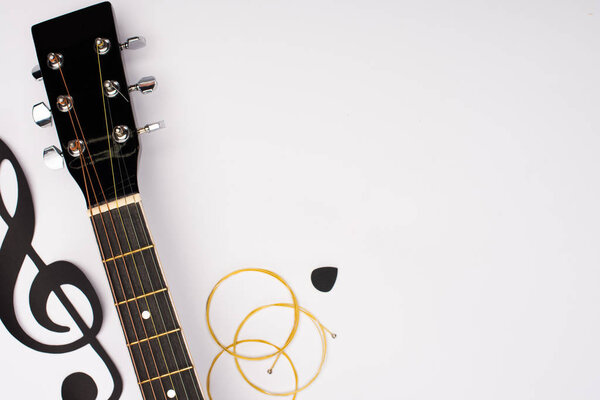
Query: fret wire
(129, 253)
(141, 296)
(84, 171)
(165, 375)
(154, 337)
(135, 234)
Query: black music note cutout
(15, 247)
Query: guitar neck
(154, 337)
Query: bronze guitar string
(231, 349)
(145, 299)
(280, 351)
(84, 171)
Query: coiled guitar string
(296, 313)
(231, 349)
(212, 365)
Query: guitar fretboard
(152, 331)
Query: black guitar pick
(324, 278)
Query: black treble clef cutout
(15, 247)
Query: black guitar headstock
(80, 64)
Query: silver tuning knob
(133, 43)
(53, 158)
(145, 85)
(151, 127)
(41, 115)
(36, 72)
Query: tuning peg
(145, 85)
(151, 127)
(133, 43)
(53, 158)
(41, 115)
(36, 72)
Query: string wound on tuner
(102, 45)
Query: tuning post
(102, 45)
(53, 158)
(133, 43)
(145, 85)
(42, 115)
(64, 103)
(151, 127)
(36, 72)
(121, 133)
(76, 147)
(55, 60)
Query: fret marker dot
(146, 314)
(171, 394)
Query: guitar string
(152, 287)
(120, 167)
(126, 269)
(83, 170)
(110, 246)
(104, 104)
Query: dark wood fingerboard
(150, 324)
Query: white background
(444, 155)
